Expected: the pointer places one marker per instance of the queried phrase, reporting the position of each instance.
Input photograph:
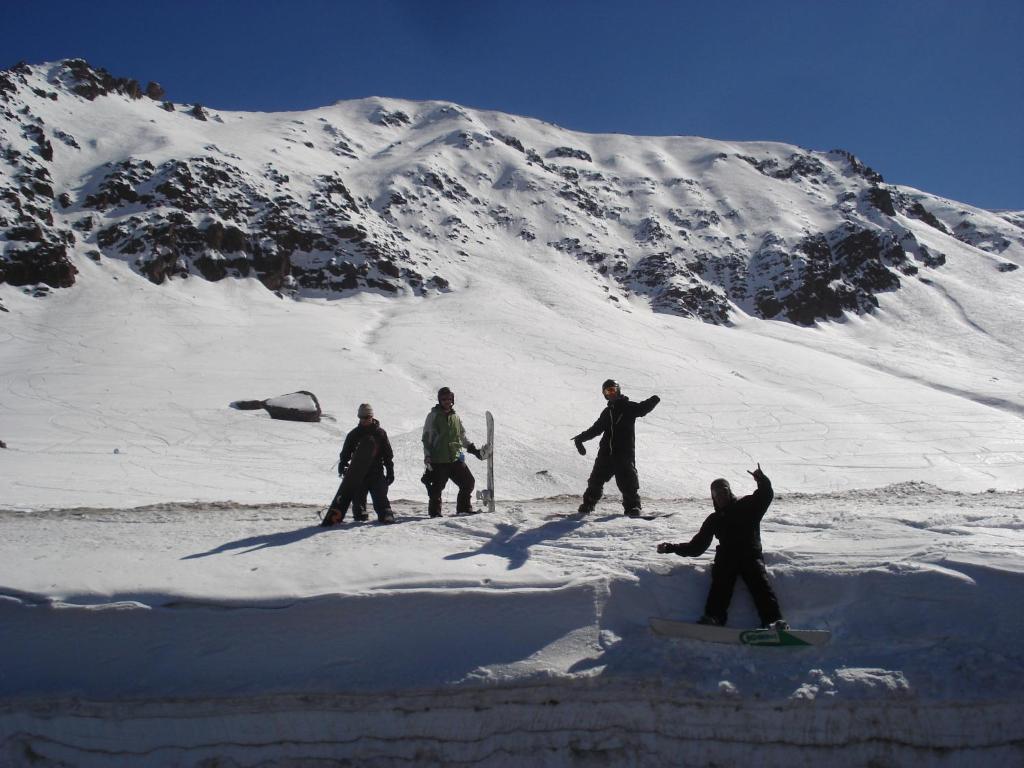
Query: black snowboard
(355, 477)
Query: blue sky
(928, 92)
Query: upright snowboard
(767, 637)
(486, 495)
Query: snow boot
(634, 512)
(386, 517)
(710, 621)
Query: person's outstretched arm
(696, 546)
(644, 406)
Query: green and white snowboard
(774, 638)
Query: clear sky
(928, 92)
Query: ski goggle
(610, 390)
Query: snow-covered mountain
(167, 598)
(406, 197)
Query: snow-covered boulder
(295, 406)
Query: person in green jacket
(443, 441)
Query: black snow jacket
(617, 426)
(737, 527)
(385, 458)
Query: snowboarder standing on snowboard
(443, 440)
(616, 456)
(374, 463)
(736, 523)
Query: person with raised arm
(736, 523)
(616, 455)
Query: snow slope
(122, 379)
(219, 622)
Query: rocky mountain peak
(404, 197)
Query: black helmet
(445, 392)
(611, 387)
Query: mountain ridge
(395, 196)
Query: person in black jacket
(616, 455)
(379, 475)
(736, 523)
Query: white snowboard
(486, 495)
(767, 637)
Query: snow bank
(177, 634)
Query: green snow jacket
(443, 436)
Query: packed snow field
(206, 594)
(189, 630)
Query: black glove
(666, 549)
(341, 469)
(474, 451)
(390, 476)
(580, 446)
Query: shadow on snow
(514, 545)
(263, 541)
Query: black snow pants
(459, 473)
(623, 469)
(750, 567)
(377, 486)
